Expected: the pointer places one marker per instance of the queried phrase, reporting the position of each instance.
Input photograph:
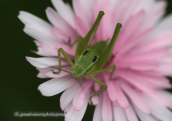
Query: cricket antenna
(61, 70)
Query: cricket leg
(106, 69)
(99, 82)
(60, 50)
(78, 48)
(72, 44)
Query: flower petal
(73, 115)
(31, 31)
(68, 95)
(159, 111)
(83, 9)
(98, 110)
(52, 75)
(143, 116)
(43, 71)
(110, 89)
(65, 11)
(159, 98)
(56, 19)
(80, 27)
(165, 24)
(49, 48)
(131, 76)
(80, 96)
(131, 115)
(106, 107)
(135, 97)
(44, 62)
(119, 113)
(56, 85)
(121, 98)
(38, 23)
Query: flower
(142, 55)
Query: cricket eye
(95, 58)
(85, 52)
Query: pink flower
(142, 56)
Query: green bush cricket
(90, 60)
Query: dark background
(18, 84)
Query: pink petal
(166, 60)
(156, 42)
(159, 111)
(166, 94)
(50, 49)
(61, 34)
(83, 9)
(42, 72)
(44, 62)
(52, 75)
(73, 115)
(56, 19)
(68, 95)
(135, 97)
(106, 29)
(119, 113)
(110, 89)
(106, 107)
(132, 76)
(130, 27)
(38, 35)
(163, 25)
(65, 11)
(41, 52)
(39, 24)
(56, 85)
(164, 68)
(68, 107)
(97, 87)
(143, 116)
(131, 114)
(134, 41)
(80, 27)
(139, 65)
(145, 66)
(69, 50)
(95, 100)
(155, 79)
(98, 110)
(121, 98)
(80, 96)
(156, 96)
(147, 56)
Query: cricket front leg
(99, 82)
(60, 50)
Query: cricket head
(77, 72)
(77, 75)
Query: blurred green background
(19, 83)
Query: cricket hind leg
(66, 57)
(72, 44)
(99, 82)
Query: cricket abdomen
(88, 59)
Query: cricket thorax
(84, 62)
(88, 59)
